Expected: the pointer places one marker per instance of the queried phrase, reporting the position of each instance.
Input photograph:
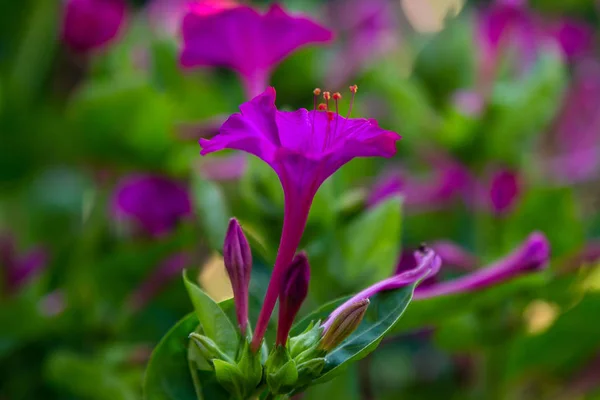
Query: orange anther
(353, 88)
(322, 107)
(337, 96)
(317, 92)
(326, 95)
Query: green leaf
(215, 323)
(212, 209)
(383, 314)
(167, 376)
(372, 243)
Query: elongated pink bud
(293, 292)
(238, 263)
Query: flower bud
(343, 325)
(207, 348)
(294, 289)
(238, 262)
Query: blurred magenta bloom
(532, 255)
(226, 168)
(448, 181)
(168, 269)
(237, 257)
(504, 190)
(18, 269)
(241, 38)
(151, 203)
(91, 24)
(367, 29)
(304, 148)
(575, 38)
(428, 264)
(294, 290)
(577, 128)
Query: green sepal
(306, 340)
(281, 371)
(230, 377)
(309, 370)
(251, 368)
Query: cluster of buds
(293, 362)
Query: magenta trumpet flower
(294, 290)
(91, 24)
(532, 255)
(153, 204)
(212, 38)
(304, 148)
(237, 257)
(504, 190)
(428, 264)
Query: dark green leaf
(167, 376)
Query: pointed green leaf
(215, 323)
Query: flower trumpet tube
(532, 255)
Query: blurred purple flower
(427, 265)
(447, 182)
(304, 148)
(230, 167)
(91, 24)
(167, 270)
(575, 38)
(369, 29)
(577, 128)
(155, 204)
(294, 290)
(504, 191)
(531, 256)
(19, 269)
(213, 39)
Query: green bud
(207, 348)
(310, 370)
(306, 340)
(343, 325)
(251, 368)
(230, 377)
(281, 371)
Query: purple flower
(504, 190)
(230, 167)
(167, 270)
(18, 269)
(294, 290)
(448, 181)
(250, 43)
(428, 264)
(531, 256)
(92, 24)
(369, 29)
(575, 38)
(577, 128)
(154, 204)
(304, 148)
(237, 257)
